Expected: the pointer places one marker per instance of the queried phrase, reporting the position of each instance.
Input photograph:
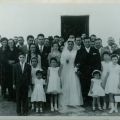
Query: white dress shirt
(22, 66)
(87, 49)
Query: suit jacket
(22, 79)
(44, 56)
(88, 61)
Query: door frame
(79, 16)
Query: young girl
(96, 90)
(34, 67)
(105, 64)
(53, 83)
(38, 95)
(112, 82)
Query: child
(53, 83)
(105, 64)
(38, 95)
(22, 77)
(35, 66)
(96, 90)
(112, 82)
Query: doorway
(75, 25)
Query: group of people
(67, 75)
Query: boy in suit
(22, 79)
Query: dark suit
(87, 63)
(22, 81)
(44, 57)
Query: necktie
(41, 48)
(22, 66)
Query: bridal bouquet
(68, 60)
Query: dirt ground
(9, 109)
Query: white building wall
(23, 19)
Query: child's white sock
(41, 110)
(112, 108)
(116, 109)
(37, 110)
(104, 106)
(32, 107)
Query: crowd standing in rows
(59, 75)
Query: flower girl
(38, 95)
(96, 90)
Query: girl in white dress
(96, 90)
(54, 86)
(105, 64)
(34, 67)
(71, 97)
(38, 95)
(112, 82)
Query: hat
(96, 72)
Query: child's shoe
(111, 111)
(56, 107)
(99, 108)
(116, 110)
(52, 108)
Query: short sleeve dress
(54, 81)
(113, 79)
(97, 88)
(38, 94)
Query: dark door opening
(75, 25)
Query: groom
(87, 60)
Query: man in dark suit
(22, 80)
(44, 51)
(87, 60)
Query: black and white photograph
(59, 59)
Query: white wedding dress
(71, 97)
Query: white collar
(87, 49)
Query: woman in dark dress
(33, 53)
(4, 66)
(12, 59)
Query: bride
(71, 97)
